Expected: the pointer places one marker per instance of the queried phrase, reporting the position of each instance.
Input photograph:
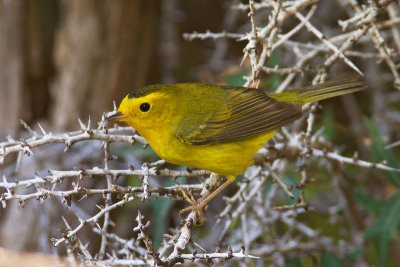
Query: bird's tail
(321, 91)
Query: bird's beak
(115, 116)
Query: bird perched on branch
(217, 128)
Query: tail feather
(322, 91)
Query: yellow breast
(229, 159)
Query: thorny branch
(256, 211)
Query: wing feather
(248, 112)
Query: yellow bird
(217, 128)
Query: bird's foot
(197, 207)
(188, 196)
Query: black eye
(145, 107)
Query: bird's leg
(199, 207)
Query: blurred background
(61, 60)
(64, 60)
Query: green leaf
(387, 211)
(273, 60)
(379, 153)
(328, 117)
(236, 79)
(294, 262)
(386, 225)
(272, 82)
(161, 207)
(368, 202)
(330, 260)
(133, 181)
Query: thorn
(356, 156)
(41, 129)
(89, 123)
(27, 127)
(244, 58)
(66, 222)
(81, 124)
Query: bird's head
(145, 108)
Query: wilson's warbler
(217, 128)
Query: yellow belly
(229, 159)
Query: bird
(216, 127)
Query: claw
(188, 196)
(199, 208)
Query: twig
(142, 235)
(68, 139)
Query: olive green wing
(247, 112)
